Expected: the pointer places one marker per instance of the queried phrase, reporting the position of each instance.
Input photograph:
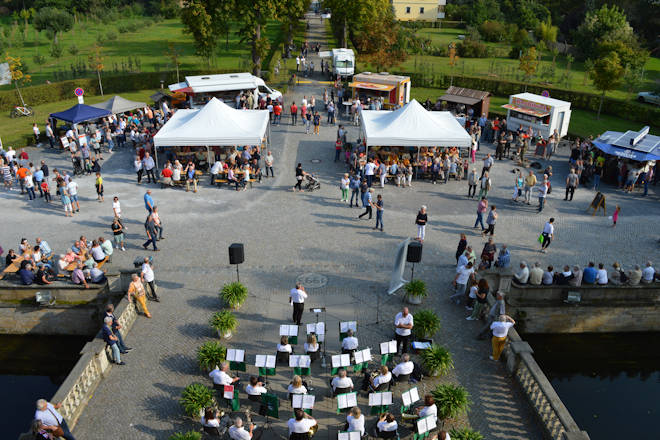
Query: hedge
(628, 110)
(447, 24)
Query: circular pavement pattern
(312, 280)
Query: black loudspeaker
(236, 254)
(414, 252)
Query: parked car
(650, 97)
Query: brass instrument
(313, 430)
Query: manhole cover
(315, 161)
(312, 280)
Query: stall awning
(635, 145)
(526, 110)
(80, 113)
(180, 87)
(372, 86)
(460, 99)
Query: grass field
(148, 43)
(15, 132)
(503, 67)
(583, 123)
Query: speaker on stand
(236, 256)
(414, 255)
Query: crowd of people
(592, 274)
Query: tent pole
(156, 154)
(208, 156)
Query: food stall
(462, 98)
(543, 114)
(639, 149)
(394, 89)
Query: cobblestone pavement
(289, 234)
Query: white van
(343, 62)
(223, 86)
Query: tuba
(313, 430)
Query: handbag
(57, 432)
(541, 238)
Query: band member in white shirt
(405, 367)
(238, 431)
(221, 377)
(296, 386)
(350, 342)
(312, 347)
(403, 321)
(297, 297)
(255, 387)
(341, 380)
(284, 345)
(384, 377)
(429, 408)
(210, 418)
(355, 421)
(386, 423)
(301, 424)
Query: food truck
(543, 114)
(343, 62)
(394, 89)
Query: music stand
(236, 359)
(271, 405)
(317, 311)
(266, 365)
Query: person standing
(379, 212)
(571, 184)
(354, 186)
(482, 208)
(484, 185)
(368, 196)
(99, 187)
(472, 183)
(297, 298)
(50, 135)
(403, 323)
(149, 166)
(317, 122)
(615, 216)
(37, 133)
(148, 201)
(497, 309)
(294, 113)
(300, 175)
(369, 169)
(421, 220)
(158, 223)
(343, 185)
(136, 288)
(543, 192)
(548, 234)
(147, 276)
(530, 182)
(463, 275)
(488, 162)
(51, 419)
(116, 327)
(137, 165)
(118, 234)
(29, 186)
(269, 164)
(500, 330)
(150, 228)
(490, 221)
(462, 244)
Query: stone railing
(90, 369)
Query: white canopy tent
(215, 124)
(412, 126)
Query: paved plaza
(287, 235)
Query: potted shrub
(415, 291)
(426, 325)
(465, 434)
(234, 294)
(195, 398)
(210, 354)
(224, 323)
(451, 400)
(190, 435)
(437, 360)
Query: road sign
(79, 91)
(545, 93)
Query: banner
(5, 74)
(396, 280)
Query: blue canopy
(635, 145)
(80, 113)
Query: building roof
(379, 78)
(468, 93)
(542, 99)
(221, 82)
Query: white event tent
(215, 124)
(412, 126)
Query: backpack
(623, 277)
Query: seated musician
(386, 423)
(238, 431)
(284, 345)
(350, 342)
(312, 347)
(341, 380)
(429, 408)
(301, 424)
(296, 386)
(405, 367)
(220, 375)
(384, 377)
(355, 421)
(255, 387)
(210, 418)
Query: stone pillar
(506, 276)
(517, 349)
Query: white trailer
(343, 62)
(543, 114)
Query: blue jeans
(379, 219)
(120, 342)
(480, 220)
(459, 292)
(116, 356)
(67, 432)
(355, 193)
(370, 180)
(596, 181)
(111, 144)
(541, 201)
(31, 193)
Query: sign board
(81, 100)
(597, 203)
(5, 74)
(545, 94)
(396, 279)
(537, 106)
(79, 91)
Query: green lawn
(149, 43)
(583, 123)
(16, 132)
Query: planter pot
(225, 335)
(416, 300)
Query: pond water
(610, 383)
(32, 367)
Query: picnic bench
(71, 266)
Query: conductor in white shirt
(297, 297)
(403, 321)
(341, 380)
(221, 377)
(301, 424)
(405, 367)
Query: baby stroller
(77, 166)
(312, 183)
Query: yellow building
(419, 10)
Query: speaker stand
(412, 272)
(238, 276)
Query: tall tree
(345, 15)
(17, 75)
(528, 64)
(53, 20)
(606, 73)
(197, 18)
(254, 15)
(606, 24)
(379, 38)
(26, 15)
(96, 63)
(173, 53)
(291, 11)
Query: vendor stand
(639, 148)
(77, 114)
(117, 104)
(543, 114)
(203, 134)
(394, 89)
(458, 99)
(410, 134)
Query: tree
(528, 64)
(95, 60)
(199, 22)
(606, 74)
(26, 14)
(546, 32)
(379, 38)
(173, 54)
(606, 24)
(453, 60)
(254, 15)
(17, 75)
(53, 20)
(345, 16)
(290, 13)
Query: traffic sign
(545, 93)
(79, 91)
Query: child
(615, 216)
(99, 186)
(46, 190)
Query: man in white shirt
(601, 275)
(215, 170)
(220, 376)
(523, 274)
(369, 171)
(535, 275)
(405, 367)
(148, 278)
(297, 297)
(341, 380)
(548, 233)
(648, 273)
(350, 342)
(238, 431)
(403, 321)
(72, 188)
(461, 279)
(302, 422)
(51, 418)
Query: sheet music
(349, 435)
(304, 401)
(270, 361)
(348, 325)
(341, 360)
(388, 347)
(430, 422)
(347, 400)
(362, 356)
(288, 330)
(260, 360)
(406, 398)
(294, 360)
(228, 392)
(375, 399)
(387, 398)
(409, 397)
(235, 355)
(319, 329)
(414, 395)
(304, 361)
(421, 426)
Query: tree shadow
(195, 330)
(180, 363)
